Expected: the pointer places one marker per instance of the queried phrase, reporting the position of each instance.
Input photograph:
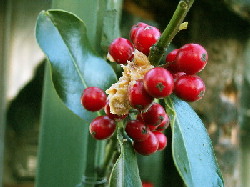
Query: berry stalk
(157, 50)
(111, 153)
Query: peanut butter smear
(118, 92)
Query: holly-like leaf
(125, 172)
(75, 66)
(192, 148)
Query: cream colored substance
(118, 92)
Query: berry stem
(111, 153)
(157, 50)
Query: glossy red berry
(191, 58)
(170, 61)
(145, 38)
(93, 99)
(148, 146)
(150, 127)
(177, 75)
(121, 50)
(162, 139)
(138, 97)
(113, 116)
(102, 127)
(164, 124)
(155, 115)
(135, 28)
(158, 82)
(189, 88)
(137, 130)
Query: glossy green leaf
(91, 12)
(61, 145)
(125, 172)
(192, 148)
(63, 38)
(64, 143)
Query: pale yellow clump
(118, 92)
(183, 26)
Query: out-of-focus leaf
(62, 138)
(192, 148)
(111, 23)
(155, 164)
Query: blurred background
(221, 26)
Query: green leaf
(61, 145)
(156, 173)
(125, 172)
(111, 23)
(75, 66)
(64, 143)
(192, 148)
(91, 12)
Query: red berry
(102, 127)
(170, 61)
(170, 58)
(164, 124)
(138, 97)
(147, 184)
(135, 28)
(139, 117)
(189, 88)
(162, 139)
(148, 146)
(93, 99)
(176, 76)
(121, 50)
(137, 130)
(155, 115)
(151, 127)
(145, 38)
(158, 82)
(113, 116)
(191, 58)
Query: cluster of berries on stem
(177, 76)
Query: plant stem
(170, 31)
(111, 151)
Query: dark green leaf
(125, 171)
(62, 138)
(74, 66)
(111, 23)
(63, 38)
(91, 12)
(145, 163)
(192, 148)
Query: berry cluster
(142, 35)
(146, 130)
(184, 63)
(177, 76)
(102, 127)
